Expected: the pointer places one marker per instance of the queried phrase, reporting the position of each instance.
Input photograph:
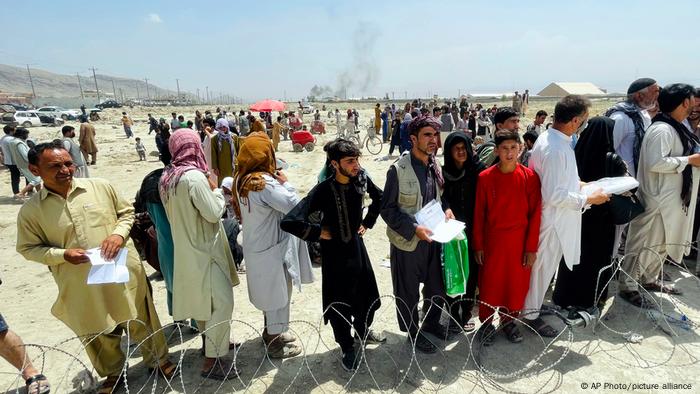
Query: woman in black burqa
(460, 193)
(586, 285)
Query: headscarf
(471, 168)
(187, 154)
(257, 126)
(689, 141)
(221, 125)
(149, 191)
(256, 158)
(592, 148)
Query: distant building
(561, 89)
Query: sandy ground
(576, 361)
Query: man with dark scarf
(631, 119)
(668, 189)
(413, 181)
(350, 294)
(461, 171)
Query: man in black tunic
(413, 181)
(349, 289)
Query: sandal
(486, 334)
(660, 287)
(220, 371)
(469, 327)
(111, 385)
(636, 298)
(167, 370)
(543, 329)
(513, 333)
(38, 384)
(280, 350)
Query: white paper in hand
(103, 271)
(613, 185)
(432, 217)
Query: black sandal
(543, 328)
(513, 333)
(486, 334)
(636, 298)
(35, 385)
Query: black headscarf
(592, 148)
(460, 184)
(472, 167)
(148, 191)
(689, 141)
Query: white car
(59, 112)
(27, 118)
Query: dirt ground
(578, 360)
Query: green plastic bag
(455, 265)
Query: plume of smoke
(363, 71)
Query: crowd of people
(529, 223)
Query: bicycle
(371, 141)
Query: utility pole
(80, 85)
(138, 97)
(31, 81)
(177, 81)
(114, 89)
(121, 94)
(405, 95)
(197, 95)
(207, 89)
(148, 93)
(97, 88)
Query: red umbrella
(267, 106)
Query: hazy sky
(262, 49)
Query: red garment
(506, 225)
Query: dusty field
(573, 362)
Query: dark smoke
(363, 73)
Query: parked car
(58, 112)
(26, 118)
(108, 104)
(30, 118)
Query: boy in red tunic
(506, 233)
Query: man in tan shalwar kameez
(87, 142)
(56, 227)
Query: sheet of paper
(615, 185)
(446, 231)
(432, 217)
(102, 271)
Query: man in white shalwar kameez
(562, 203)
(275, 260)
(668, 188)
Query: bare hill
(48, 84)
